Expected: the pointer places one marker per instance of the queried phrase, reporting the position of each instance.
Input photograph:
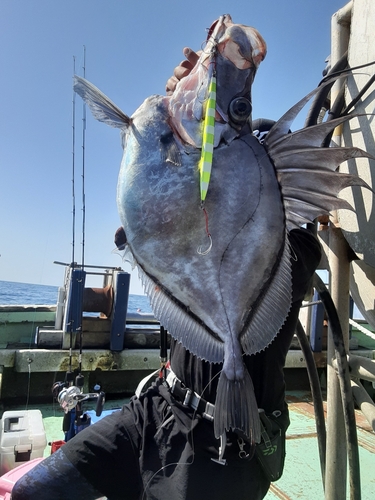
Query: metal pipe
(139, 318)
(1, 378)
(336, 459)
(87, 265)
(163, 346)
(361, 367)
(347, 406)
(364, 402)
(60, 308)
(316, 394)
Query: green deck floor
(301, 479)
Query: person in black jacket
(162, 445)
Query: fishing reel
(69, 396)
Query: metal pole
(336, 460)
(1, 378)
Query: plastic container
(22, 438)
(55, 445)
(8, 480)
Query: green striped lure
(205, 163)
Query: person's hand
(182, 70)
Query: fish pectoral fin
(306, 168)
(236, 407)
(282, 126)
(102, 108)
(169, 149)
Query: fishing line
(190, 432)
(345, 72)
(293, 254)
(204, 46)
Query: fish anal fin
(271, 310)
(180, 323)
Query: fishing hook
(205, 252)
(199, 249)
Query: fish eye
(166, 138)
(239, 110)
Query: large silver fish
(219, 275)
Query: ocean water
(27, 293)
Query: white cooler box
(22, 438)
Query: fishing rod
(73, 167)
(73, 212)
(79, 380)
(70, 393)
(60, 389)
(83, 164)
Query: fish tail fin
(236, 407)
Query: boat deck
(301, 479)
(33, 370)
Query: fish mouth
(233, 53)
(240, 44)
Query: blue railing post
(120, 307)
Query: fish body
(218, 274)
(159, 206)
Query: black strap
(189, 398)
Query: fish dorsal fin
(102, 108)
(175, 317)
(271, 310)
(306, 170)
(306, 137)
(317, 158)
(283, 125)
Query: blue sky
(131, 50)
